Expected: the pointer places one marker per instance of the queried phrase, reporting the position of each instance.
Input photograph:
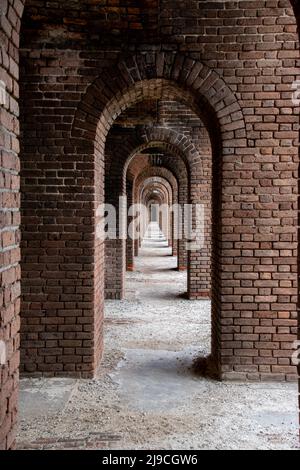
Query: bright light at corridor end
(185, 222)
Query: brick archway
(171, 141)
(139, 169)
(189, 160)
(147, 192)
(176, 77)
(157, 75)
(189, 163)
(165, 174)
(164, 188)
(192, 174)
(156, 174)
(233, 160)
(195, 188)
(155, 194)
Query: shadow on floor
(205, 367)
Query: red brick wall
(10, 14)
(244, 98)
(296, 5)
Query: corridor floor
(146, 395)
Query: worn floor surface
(146, 395)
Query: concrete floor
(146, 395)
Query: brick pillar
(115, 249)
(10, 14)
(130, 245)
(170, 218)
(181, 243)
(199, 260)
(115, 264)
(173, 232)
(62, 265)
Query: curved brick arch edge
(175, 143)
(151, 184)
(114, 249)
(142, 190)
(165, 76)
(174, 76)
(180, 148)
(168, 140)
(156, 172)
(164, 189)
(164, 198)
(148, 195)
(189, 158)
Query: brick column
(10, 14)
(130, 243)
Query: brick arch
(156, 172)
(187, 153)
(175, 77)
(157, 198)
(172, 171)
(190, 177)
(159, 75)
(19, 4)
(153, 182)
(161, 184)
(149, 197)
(171, 76)
(169, 155)
(168, 174)
(219, 232)
(148, 192)
(169, 140)
(175, 144)
(187, 158)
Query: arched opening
(140, 145)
